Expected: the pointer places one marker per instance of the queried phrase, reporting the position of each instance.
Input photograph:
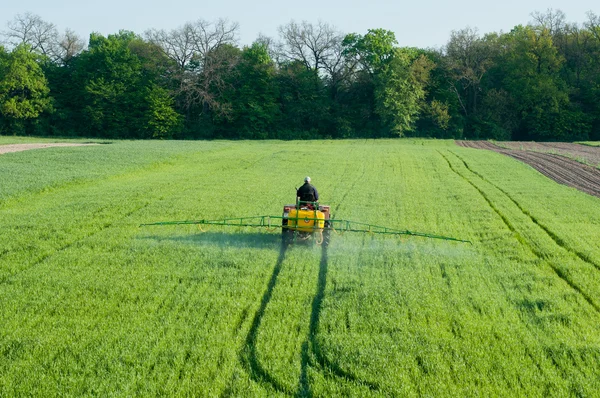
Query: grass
(94, 305)
(590, 143)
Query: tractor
(305, 220)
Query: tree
(440, 115)
(253, 96)
(31, 30)
(468, 57)
(338, 67)
(24, 92)
(400, 89)
(553, 21)
(120, 89)
(273, 48)
(531, 68)
(160, 118)
(67, 47)
(193, 39)
(398, 76)
(590, 89)
(204, 52)
(371, 51)
(364, 58)
(43, 38)
(312, 45)
(303, 101)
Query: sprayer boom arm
(275, 221)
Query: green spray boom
(332, 224)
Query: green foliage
(161, 120)
(24, 92)
(253, 96)
(540, 81)
(439, 114)
(466, 64)
(442, 113)
(531, 66)
(117, 89)
(111, 76)
(373, 50)
(303, 100)
(92, 304)
(355, 106)
(400, 90)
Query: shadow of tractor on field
(259, 240)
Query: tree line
(537, 82)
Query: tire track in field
(311, 344)
(260, 159)
(351, 189)
(341, 179)
(559, 241)
(524, 241)
(337, 207)
(249, 354)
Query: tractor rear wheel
(327, 233)
(287, 234)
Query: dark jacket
(307, 193)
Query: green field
(92, 304)
(8, 139)
(590, 143)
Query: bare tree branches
(313, 45)
(593, 24)
(68, 46)
(43, 38)
(176, 44)
(274, 48)
(204, 52)
(467, 56)
(207, 36)
(335, 61)
(194, 39)
(338, 66)
(552, 20)
(30, 29)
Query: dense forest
(536, 82)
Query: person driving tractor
(307, 192)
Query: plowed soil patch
(560, 168)
(582, 153)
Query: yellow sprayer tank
(307, 220)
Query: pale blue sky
(421, 23)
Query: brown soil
(582, 153)
(25, 147)
(560, 168)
